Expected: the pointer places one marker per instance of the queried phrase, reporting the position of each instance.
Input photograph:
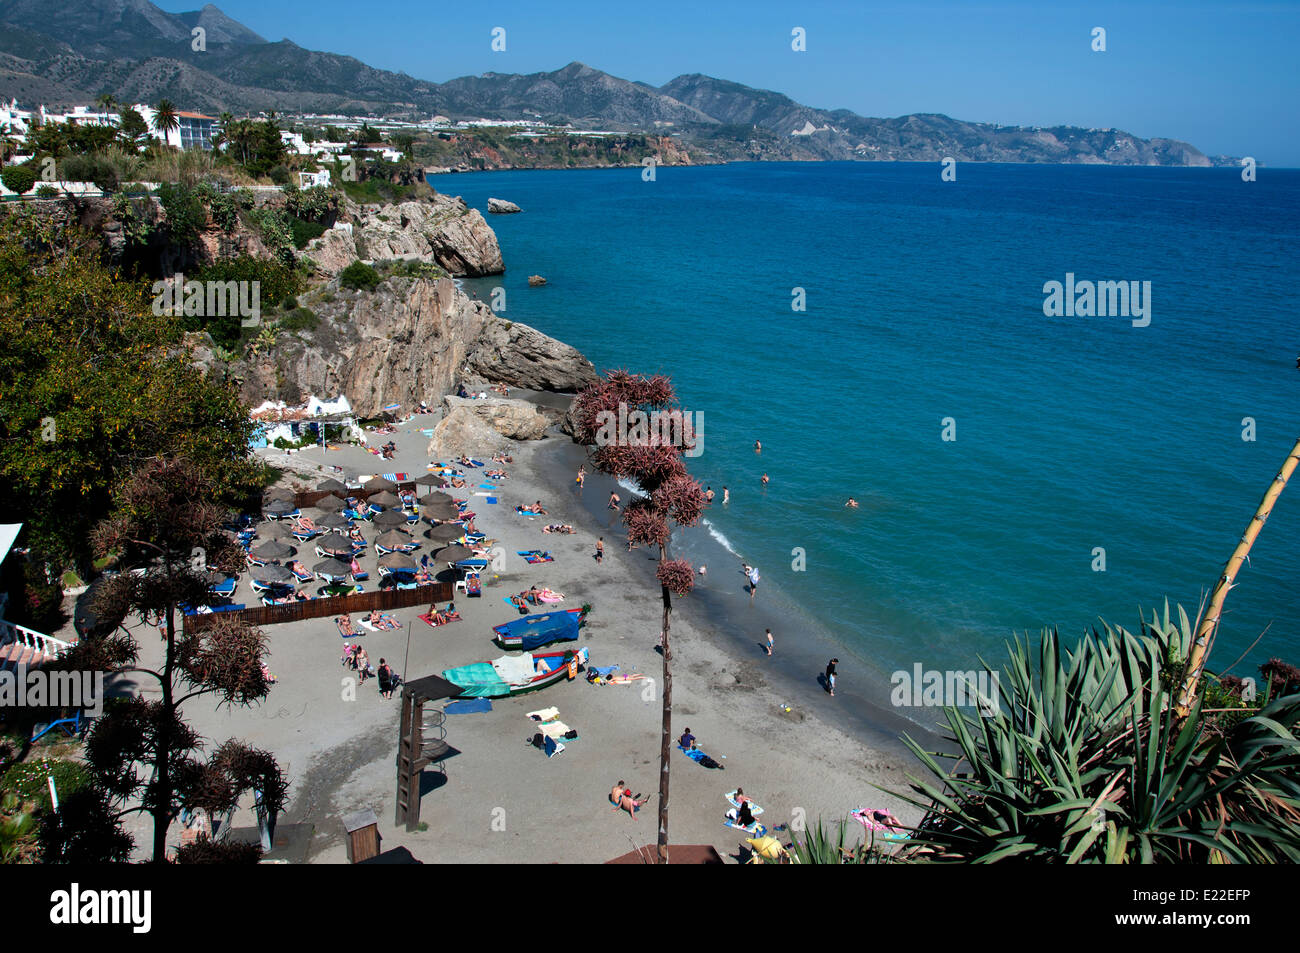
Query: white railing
(46, 644)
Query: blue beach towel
(490, 499)
(487, 486)
(469, 707)
(603, 672)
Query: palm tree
(106, 102)
(165, 118)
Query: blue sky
(1222, 76)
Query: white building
(194, 130)
(309, 180)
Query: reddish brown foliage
(676, 575)
(682, 498)
(646, 525)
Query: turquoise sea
(924, 302)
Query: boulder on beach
(502, 207)
(516, 419)
(536, 281)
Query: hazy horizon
(1214, 75)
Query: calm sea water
(925, 302)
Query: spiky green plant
(818, 845)
(1085, 760)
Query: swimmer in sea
(852, 503)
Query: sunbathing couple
(534, 596)
(381, 621)
(502, 458)
(496, 474)
(439, 617)
(535, 508)
(562, 528)
(622, 798)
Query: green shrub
(359, 275)
(47, 192)
(304, 231)
(300, 319)
(289, 303)
(29, 780)
(280, 175)
(18, 178)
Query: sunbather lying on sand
(629, 803)
(496, 474)
(457, 482)
(381, 621)
(344, 622)
(502, 458)
(563, 528)
(519, 603)
(535, 508)
(442, 617)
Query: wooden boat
(534, 631)
(516, 674)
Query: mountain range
(62, 52)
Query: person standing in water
(769, 641)
(758, 446)
(764, 479)
(830, 675)
(582, 476)
(726, 496)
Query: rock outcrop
(502, 207)
(408, 340)
(477, 426)
(443, 230)
(536, 281)
(515, 354)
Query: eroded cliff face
(442, 230)
(409, 340)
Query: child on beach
(600, 549)
(582, 476)
(769, 641)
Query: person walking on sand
(769, 641)
(830, 676)
(600, 549)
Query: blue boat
(534, 631)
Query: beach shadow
(821, 680)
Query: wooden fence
(381, 599)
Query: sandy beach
(502, 800)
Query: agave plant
(821, 846)
(1086, 759)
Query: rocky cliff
(442, 230)
(409, 340)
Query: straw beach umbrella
(279, 493)
(398, 562)
(330, 504)
(393, 539)
(434, 498)
(331, 569)
(384, 498)
(454, 554)
(444, 533)
(430, 479)
(272, 549)
(375, 484)
(333, 521)
(389, 519)
(274, 529)
(272, 575)
(331, 485)
(278, 507)
(335, 547)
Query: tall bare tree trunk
(1209, 626)
(666, 741)
(161, 807)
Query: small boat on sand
(516, 674)
(533, 631)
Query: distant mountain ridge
(67, 51)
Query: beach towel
(753, 830)
(490, 499)
(753, 808)
(485, 486)
(555, 729)
(347, 635)
(365, 624)
(543, 714)
(469, 707)
(522, 610)
(426, 617)
(534, 556)
(605, 672)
